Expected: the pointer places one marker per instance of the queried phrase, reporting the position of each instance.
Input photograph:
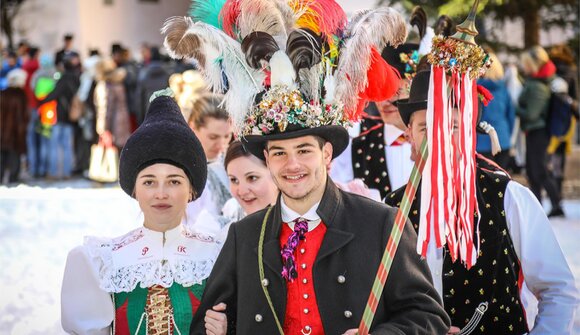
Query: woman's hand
(216, 321)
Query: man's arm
(545, 269)
(220, 287)
(409, 297)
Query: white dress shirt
(289, 215)
(546, 272)
(398, 157)
(341, 170)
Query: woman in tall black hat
(150, 280)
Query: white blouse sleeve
(546, 272)
(85, 308)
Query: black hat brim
(336, 135)
(406, 108)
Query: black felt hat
(164, 137)
(393, 56)
(336, 135)
(418, 96)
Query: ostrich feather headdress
(290, 64)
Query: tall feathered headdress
(286, 65)
(448, 194)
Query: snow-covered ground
(40, 224)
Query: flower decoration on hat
(288, 62)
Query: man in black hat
(517, 246)
(324, 286)
(381, 153)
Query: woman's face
(251, 183)
(214, 136)
(163, 191)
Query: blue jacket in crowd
(500, 113)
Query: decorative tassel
(490, 131)
(448, 195)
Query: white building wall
(94, 23)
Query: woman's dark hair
(207, 106)
(235, 150)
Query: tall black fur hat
(164, 137)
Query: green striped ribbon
(393, 243)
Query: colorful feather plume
(444, 26)
(229, 17)
(259, 47)
(261, 15)
(324, 17)
(303, 47)
(207, 11)
(367, 29)
(221, 60)
(418, 19)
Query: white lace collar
(141, 256)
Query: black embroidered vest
(495, 277)
(368, 158)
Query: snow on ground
(40, 224)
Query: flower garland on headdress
(288, 62)
(448, 195)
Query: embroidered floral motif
(133, 236)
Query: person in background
(499, 113)
(152, 77)
(561, 146)
(251, 184)
(212, 126)
(62, 135)
(150, 280)
(22, 51)
(37, 140)
(66, 50)
(9, 64)
(85, 130)
(145, 54)
(123, 59)
(31, 65)
(13, 121)
(116, 113)
(533, 112)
